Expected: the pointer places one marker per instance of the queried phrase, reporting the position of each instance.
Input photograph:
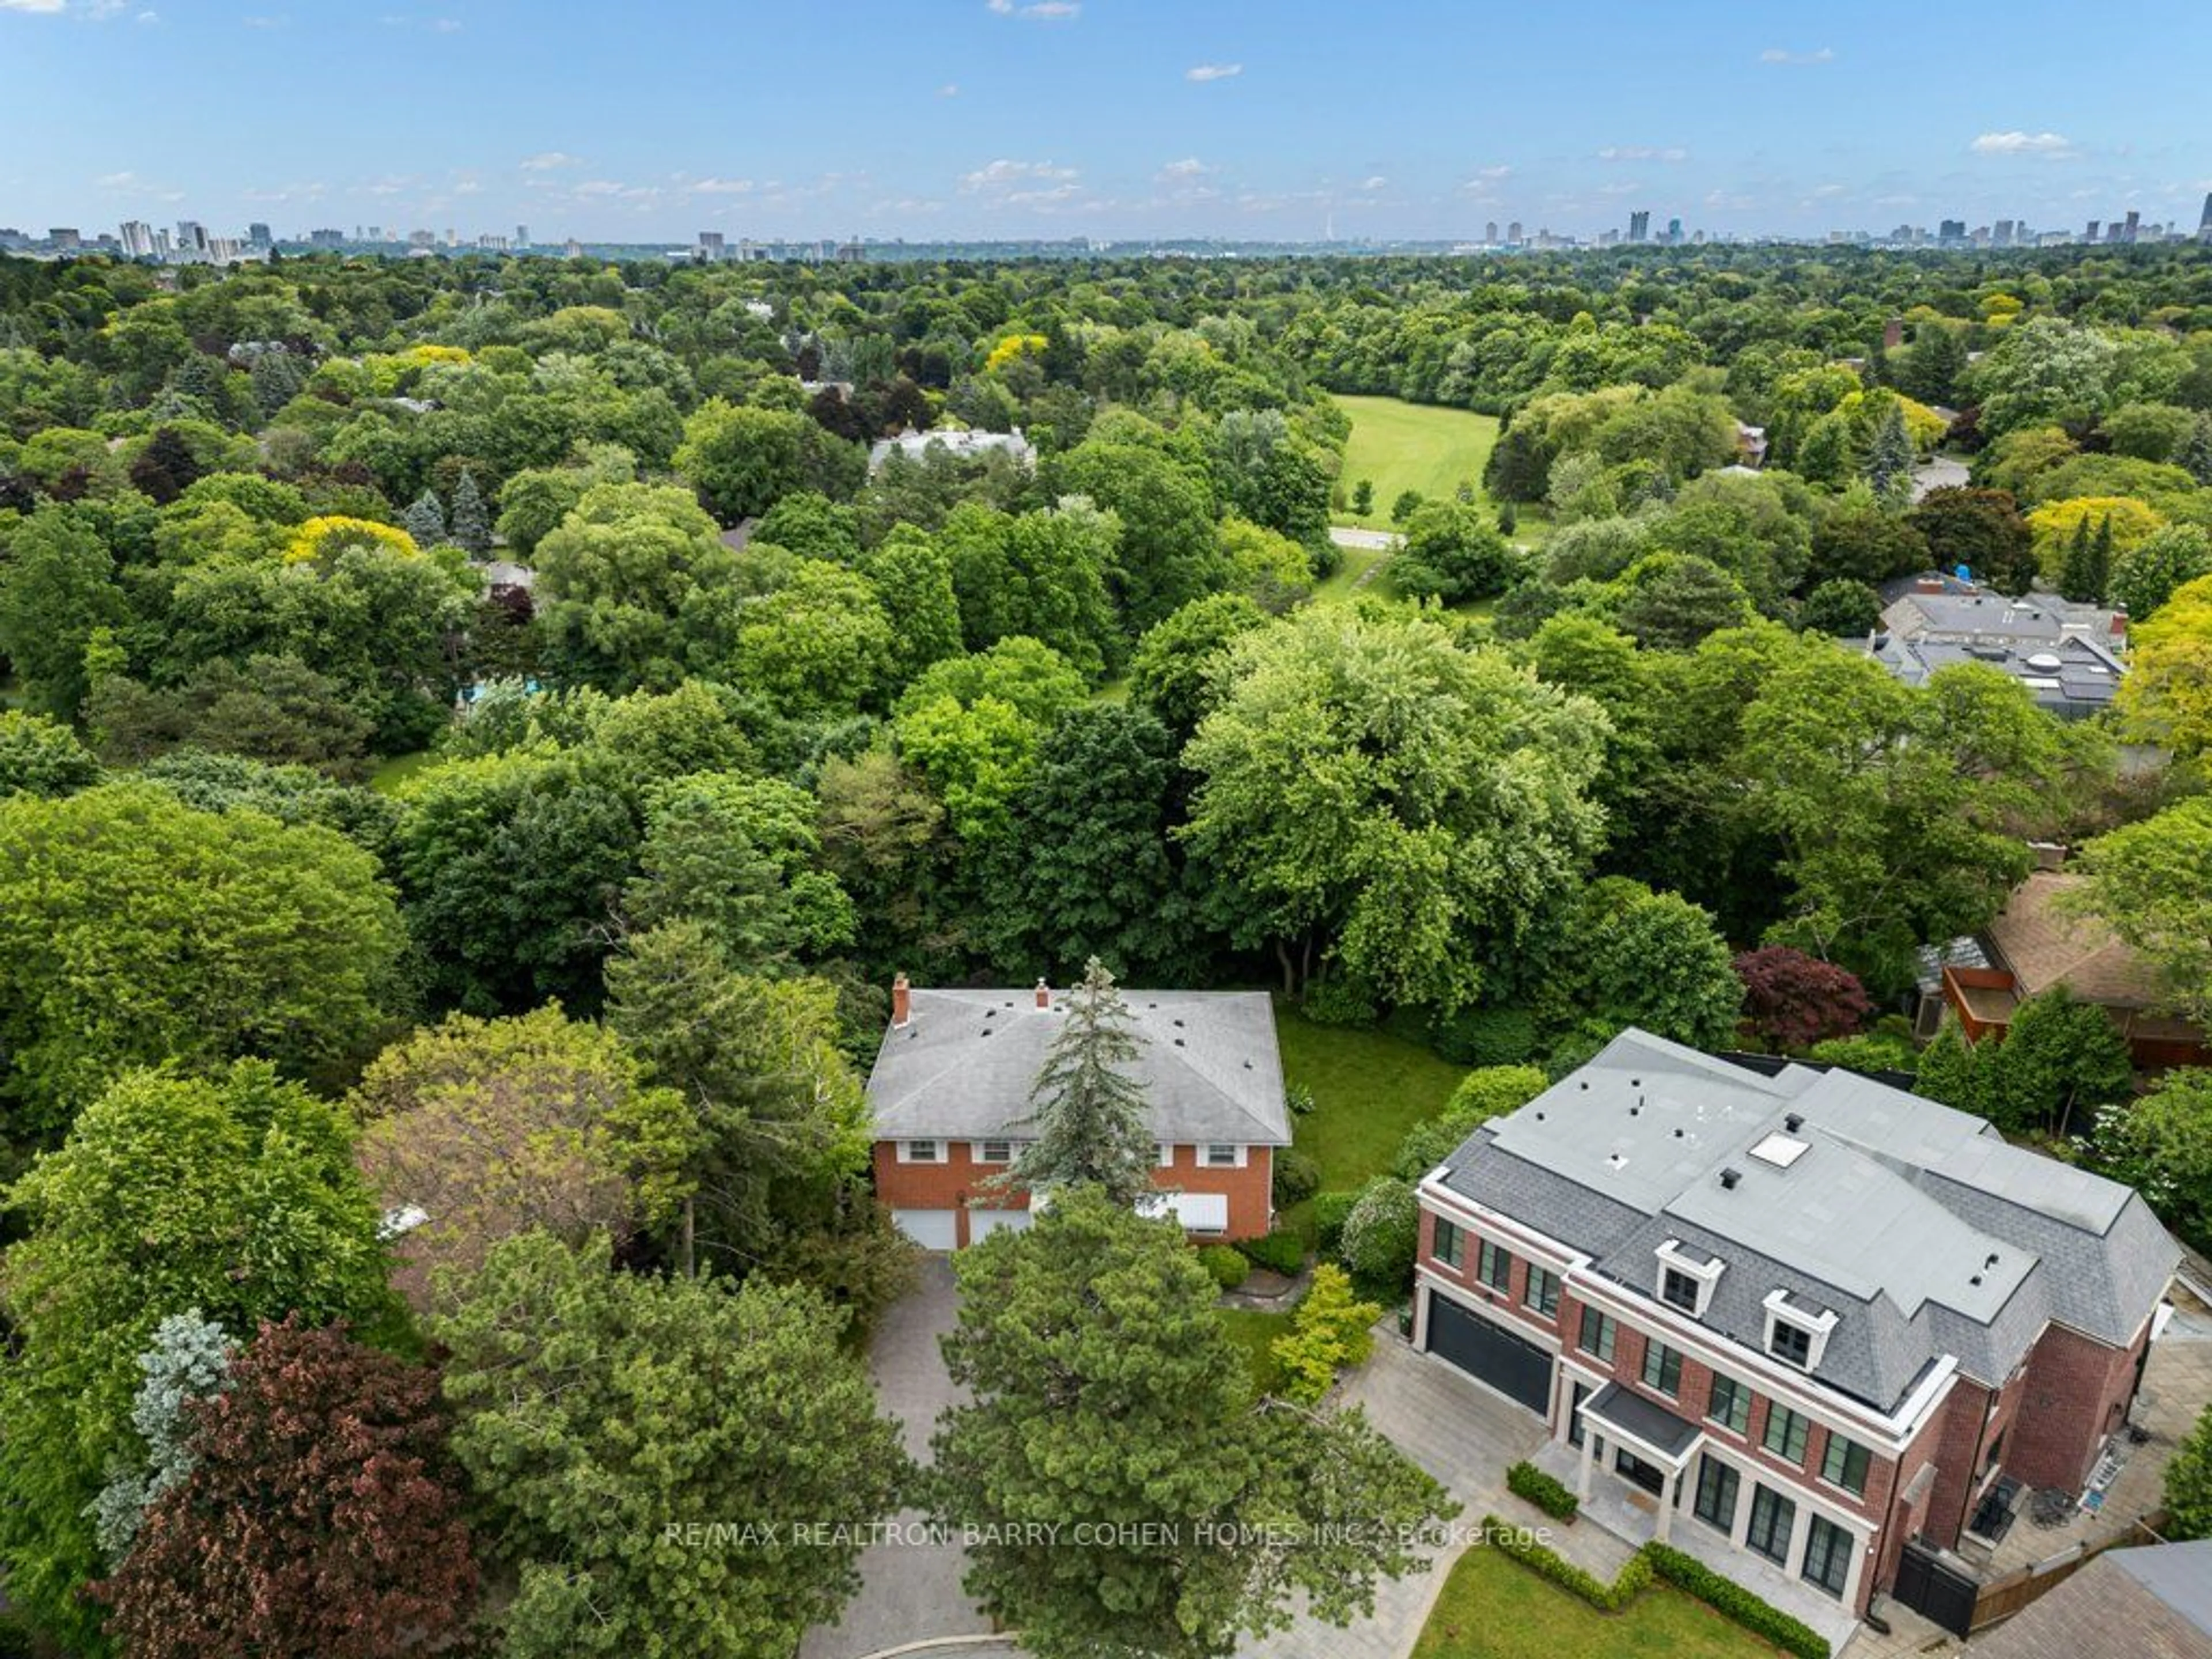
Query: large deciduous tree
(133, 929)
(322, 1516)
(2167, 695)
(1376, 797)
(2152, 881)
(495, 1127)
(602, 1414)
(1107, 1396)
(233, 1195)
(636, 588)
(744, 459)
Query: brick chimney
(1893, 334)
(901, 1002)
(1043, 995)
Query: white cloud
(1642, 153)
(1003, 175)
(720, 186)
(1204, 72)
(550, 160)
(1044, 11)
(43, 7)
(2050, 145)
(1375, 183)
(1784, 55)
(1189, 168)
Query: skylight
(1780, 1150)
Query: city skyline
(1114, 119)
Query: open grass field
(1401, 447)
(1368, 1088)
(1493, 1607)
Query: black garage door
(1520, 1369)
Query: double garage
(940, 1229)
(1517, 1368)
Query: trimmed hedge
(1525, 1480)
(1298, 1177)
(1547, 1562)
(1732, 1600)
(1653, 1562)
(1286, 1253)
(1330, 1211)
(1229, 1268)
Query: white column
(1589, 1457)
(1668, 1489)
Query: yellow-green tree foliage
(1329, 1331)
(324, 538)
(2167, 698)
(2054, 524)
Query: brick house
(2041, 942)
(950, 1095)
(1814, 1316)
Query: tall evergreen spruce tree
(1889, 462)
(470, 521)
(1087, 1116)
(425, 521)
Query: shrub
(1228, 1265)
(1298, 1098)
(1482, 1095)
(1330, 1211)
(1382, 1232)
(1525, 1480)
(1547, 1562)
(1283, 1253)
(1298, 1177)
(1792, 1000)
(1485, 1037)
(1732, 1600)
(1339, 1002)
(1330, 1331)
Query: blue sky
(977, 118)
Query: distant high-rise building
(2134, 225)
(331, 237)
(1490, 227)
(1639, 225)
(257, 236)
(191, 238)
(422, 238)
(2090, 234)
(2204, 220)
(137, 238)
(572, 249)
(710, 245)
(2003, 235)
(522, 236)
(64, 239)
(162, 247)
(1952, 230)
(1513, 231)
(1674, 232)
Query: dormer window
(1688, 1276)
(1796, 1334)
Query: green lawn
(390, 775)
(1255, 1331)
(1368, 1088)
(1493, 1607)
(1401, 446)
(1341, 586)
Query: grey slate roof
(963, 1066)
(2152, 1603)
(1641, 1419)
(2071, 677)
(1917, 1225)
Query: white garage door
(933, 1229)
(982, 1223)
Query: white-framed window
(921, 1151)
(1687, 1277)
(1167, 1154)
(1224, 1155)
(1796, 1335)
(993, 1151)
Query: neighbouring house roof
(2160, 1594)
(2044, 943)
(739, 535)
(2073, 677)
(1918, 1226)
(962, 1068)
(1964, 613)
(914, 446)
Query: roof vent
(1635, 1083)
(1794, 1123)
(1584, 1085)
(2046, 662)
(1178, 1042)
(1729, 1177)
(1678, 1134)
(1976, 1280)
(1636, 1108)
(1991, 1262)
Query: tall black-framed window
(1718, 1487)
(1598, 1333)
(1731, 1403)
(1786, 1433)
(1451, 1246)
(1541, 1292)
(1773, 1518)
(1844, 1464)
(1827, 1555)
(1493, 1265)
(1678, 1289)
(1662, 1368)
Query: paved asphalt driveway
(909, 1592)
